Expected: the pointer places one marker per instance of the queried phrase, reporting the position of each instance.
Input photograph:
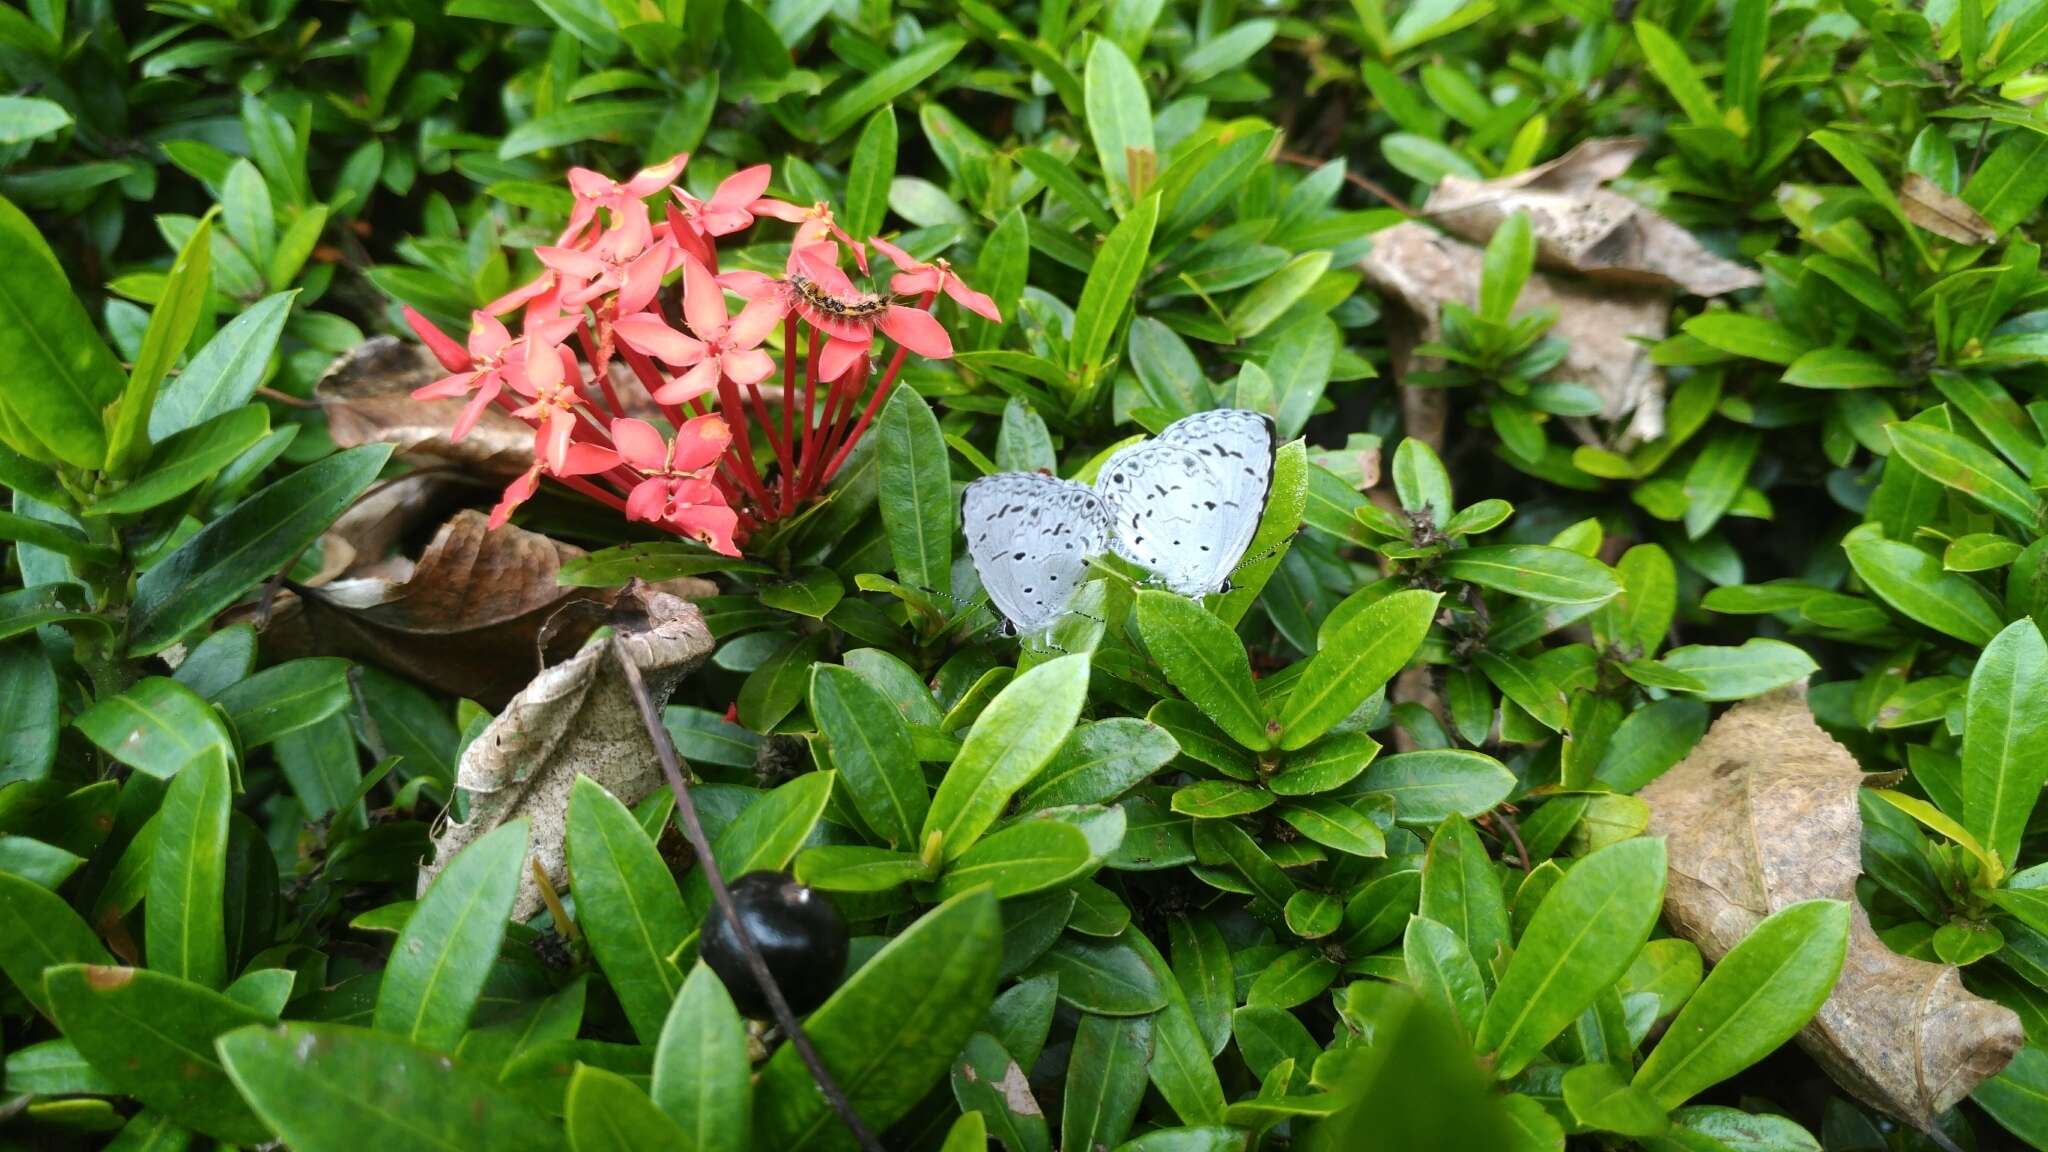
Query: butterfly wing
(1185, 505)
(1241, 445)
(1031, 537)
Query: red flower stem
(790, 341)
(650, 379)
(767, 424)
(729, 400)
(591, 490)
(846, 392)
(813, 435)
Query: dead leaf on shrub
(367, 395)
(475, 615)
(1763, 814)
(1608, 326)
(575, 718)
(1948, 216)
(1581, 226)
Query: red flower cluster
(707, 371)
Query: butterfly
(1031, 537)
(1183, 505)
(1186, 503)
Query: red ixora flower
(742, 449)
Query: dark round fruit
(798, 932)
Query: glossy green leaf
(158, 726)
(702, 1079)
(1105, 1080)
(1461, 891)
(872, 752)
(609, 1113)
(1113, 279)
(265, 532)
(38, 930)
(764, 838)
(890, 1032)
(1913, 582)
(171, 324)
(1025, 857)
(184, 914)
(1012, 739)
(2005, 724)
(1202, 656)
(334, 1088)
(1582, 939)
(286, 697)
(627, 905)
(916, 494)
(1107, 977)
(46, 337)
(1761, 993)
(1428, 786)
(1353, 661)
(1536, 572)
(438, 966)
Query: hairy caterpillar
(847, 317)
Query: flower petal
(451, 355)
(703, 301)
(447, 387)
(493, 383)
(915, 329)
(978, 303)
(581, 459)
(748, 365)
(570, 261)
(757, 320)
(711, 523)
(701, 378)
(647, 499)
(516, 493)
(699, 442)
(653, 179)
(839, 355)
(740, 189)
(648, 333)
(642, 279)
(898, 256)
(639, 443)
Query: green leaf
(868, 174)
(1107, 977)
(702, 1079)
(38, 930)
(627, 905)
(1421, 482)
(1203, 657)
(1715, 479)
(158, 726)
(1536, 572)
(1012, 739)
(1353, 661)
(442, 957)
(187, 459)
(1951, 460)
(46, 337)
(653, 562)
(1582, 939)
(1432, 785)
(1524, 682)
(284, 698)
(1752, 669)
(858, 868)
(333, 1088)
(904, 72)
(2005, 724)
(890, 1032)
(1600, 1098)
(184, 914)
(872, 751)
(25, 118)
(608, 1113)
(916, 494)
(2018, 1096)
(1100, 761)
(764, 838)
(1460, 889)
(1119, 116)
(1105, 1080)
(186, 295)
(265, 532)
(1026, 857)
(1112, 284)
(1335, 825)
(627, 121)
(1761, 993)
(1441, 970)
(1739, 334)
(1913, 582)
(28, 710)
(988, 1082)
(1327, 764)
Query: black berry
(798, 932)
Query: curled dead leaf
(1608, 326)
(367, 395)
(575, 718)
(1582, 226)
(1763, 814)
(1948, 216)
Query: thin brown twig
(757, 965)
(1350, 177)
(1507, 825)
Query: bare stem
(785, 1019)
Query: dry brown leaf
(1948, 216)
(475, 615)
(575, 718)
(1581, 226)
(367, 395)
(1607, 326)
(1763, 814)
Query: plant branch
(686, 810)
